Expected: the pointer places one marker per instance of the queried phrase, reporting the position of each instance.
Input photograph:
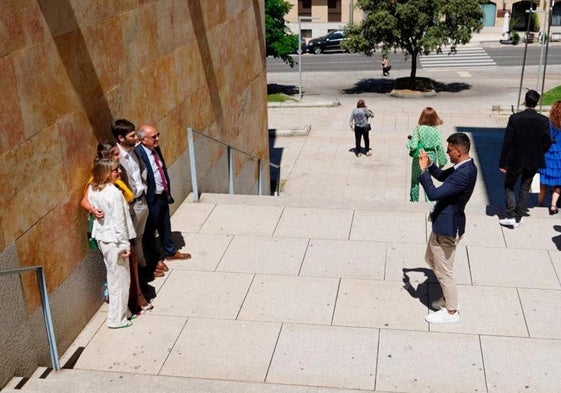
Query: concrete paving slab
(89, 381)
(429, 362)
(190, 217)
(521, 364)
(134, 353)
(202, 294)
(512, 267)
(379, 304)
(542, 309)
(487, 310)
(556, 260)
(411, 257)
(242, 220)
(206, 251)
(535, 233)
(315, 223)
(389, 226)
(290, 299)
(222, 349)
(264, 255)
(325, 356)
(338, 258)
(483, 231)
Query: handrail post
(230, 170)
(259, 177)
(48, 318)
(194, 184)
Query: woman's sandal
(553, 210)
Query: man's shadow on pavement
(427, 291)
(557, 239)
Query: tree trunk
(413, 65)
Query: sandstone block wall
(68, 68)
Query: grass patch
(279, 97)
(414, 84)
(551, 96)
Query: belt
(138, 198)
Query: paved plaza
(324, 289)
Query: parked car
(329, 42)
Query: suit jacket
(448, 216)
(150, 181)
(526, 141)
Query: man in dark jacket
(158, 196)
(525, 143)
(448, 219)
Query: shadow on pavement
(275, 156)
(487, 143)
(385, 85)
(427, 291)
(274, 88)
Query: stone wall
(68, 68)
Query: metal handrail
(229, 149)
(40, 275)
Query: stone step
(82, 381)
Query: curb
(298, 104)
(303, 131)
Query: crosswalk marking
(465, 57)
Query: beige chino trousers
(440, 254)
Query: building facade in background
(319, 17)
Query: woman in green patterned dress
(425, 137)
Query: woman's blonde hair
(102, 171)
(555, 115)
(429, 117)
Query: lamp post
(300, 19)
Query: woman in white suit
(113, 233)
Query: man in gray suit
(525, 143)
(448, 219)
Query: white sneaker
(443, 316)
(509, 222)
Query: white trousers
(118, 282)
(139, 215)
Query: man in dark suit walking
(448, 219)
(158, 196)
(525, 143)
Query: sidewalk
(324, 289)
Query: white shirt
(116, 225)
(155, 171)
(129, 161)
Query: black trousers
(516, 209)
(360, 132)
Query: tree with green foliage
(418, 27)
(280, 41)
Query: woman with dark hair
(425, 137)
(113, 233)
(360, 125)
(551, 174)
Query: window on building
(304, 7)
(556, 16)
(521, 18)
(334, 10)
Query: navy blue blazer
(150, 181)
(448, 216)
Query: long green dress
(431, 141)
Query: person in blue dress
(550, 176)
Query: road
(500, 55)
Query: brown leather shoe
(162, 266)
(158, 273)
(179, 255)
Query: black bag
(367, 127)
